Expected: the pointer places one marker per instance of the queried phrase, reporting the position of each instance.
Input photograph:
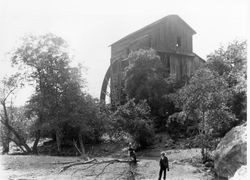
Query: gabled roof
(166, 18)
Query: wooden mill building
(171, 37)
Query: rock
(231, 152)
(197, 171)
(209, 164)
(240, 174)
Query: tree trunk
(20, 139)
(58, 140)
(5, 122)
(82, 151)
(5, 139)
(5, 135)
(203, 136)
(22, 148)
(19, 145)
(34, 148)
(5, 145)
(81, 144)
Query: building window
(178, 43)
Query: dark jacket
(164, 163)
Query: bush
(134, 119)
(147, 78)
(180, 125)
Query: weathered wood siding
(165, 35)
(161, 37)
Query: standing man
(163, 165)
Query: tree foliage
(144, 75)
(44, 61)
(135, 120)
(205, 96)
(147, 78)
(212, 97)
(215, 95)
(62, 108)
(230, 63)
(205, 99)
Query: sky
(90, 27)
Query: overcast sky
(91, 26)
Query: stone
(231, 152)
(209, 164)
(197, 171)
(240, 174)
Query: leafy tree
(110, 127)
(230, 63)
(41, 58)
(135, 120)
(62, 108)
(205, 98)
(147, 78)
(180, 125)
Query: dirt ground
(184, 164)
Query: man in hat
(163, 165)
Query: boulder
(231, 152)
(240, 174)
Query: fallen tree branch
(121, 174)
(76, 164)
(95, 162)
(103, 169)
(83, 168)
(67, 162)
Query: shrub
(180, 125)
(147, 78)
(134, 119)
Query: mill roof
(166, 18)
